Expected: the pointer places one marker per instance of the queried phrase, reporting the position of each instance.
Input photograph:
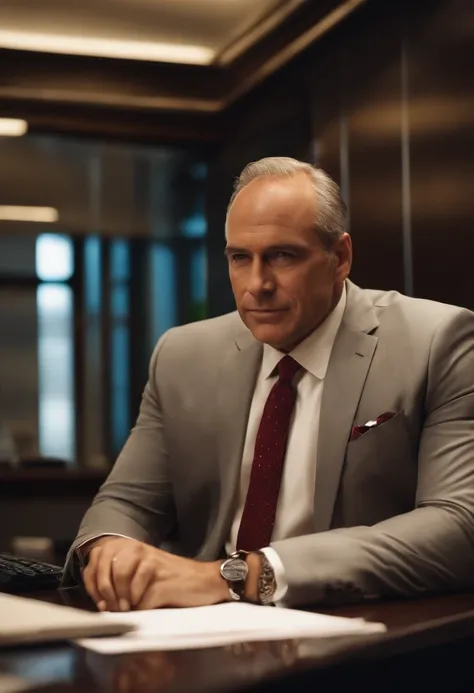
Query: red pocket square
(359, 431)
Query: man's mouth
(267, 313)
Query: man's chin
(270, 334)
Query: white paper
(222, 624)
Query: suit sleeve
(431, 548)
(136, 500)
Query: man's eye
(238, 257)
(282, 255)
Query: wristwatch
(234, 570)
(266, 582)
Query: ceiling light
(107, 48)
(45, 215)
(13, 127)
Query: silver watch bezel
(231, 578)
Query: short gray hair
(331, 214)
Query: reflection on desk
(428, 642)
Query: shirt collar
(314, 352)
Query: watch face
(234, 569)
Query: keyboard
(19, 574)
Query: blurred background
(123, 124)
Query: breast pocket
(380, 474)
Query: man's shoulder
(208, 335)
(198, 346)
(419, 310)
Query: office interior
(112, 203)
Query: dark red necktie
(258, 518)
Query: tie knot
(287, 368)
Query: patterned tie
(258, 518)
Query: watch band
(266, 581)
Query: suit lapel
(347, 371)
(237, 379)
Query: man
(322, 437)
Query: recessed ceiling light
(46, 215)
(107, 48)
(13, 127)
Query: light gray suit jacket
(393, 510)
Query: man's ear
(342, 254)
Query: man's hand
(124, 574)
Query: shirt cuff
(279, 571)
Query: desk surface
(426, 627)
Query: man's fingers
(104, 582)
(119, 574)
(145, 575)
(153, 597)
(123, 570)
(89, 576)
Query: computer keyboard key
(19, 574)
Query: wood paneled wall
(385, 104)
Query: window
(55, 371)
(55, 311)
(94, 400)
(54, 257)
(162, 291)
(83, 301)
(120, 342)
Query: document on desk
(222, 624)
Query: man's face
(284, 281)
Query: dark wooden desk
(429, 646)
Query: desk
(431, 638)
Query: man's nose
(261, 279)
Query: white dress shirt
(295, 510)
